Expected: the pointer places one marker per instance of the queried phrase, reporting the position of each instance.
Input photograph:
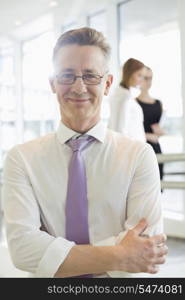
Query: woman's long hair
(130, 66)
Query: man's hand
(135, 253)
(139, 253)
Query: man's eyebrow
(73, 70)
(67, 70)
(89, 71)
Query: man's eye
(90, 76)
(67, 75)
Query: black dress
(152, 114)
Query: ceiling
(20, 10)
(20, 18)
(144, 16)
(37, 15)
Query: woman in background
(126, 115)
(152, 110)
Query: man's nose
(79, 86)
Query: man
(75, 200)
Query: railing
(163, 158)
(167, 158)
(1, 209)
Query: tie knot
(80, 144)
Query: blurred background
(152, 31)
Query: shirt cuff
(54, 257)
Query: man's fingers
(140, 227)
(159, 239)
(153, 269)
(161, 260)
(162, 251)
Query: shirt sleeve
(119, 105)
(143, 201)
(31, 249)
(122, 116)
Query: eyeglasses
(88, 79)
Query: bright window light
(161, 52)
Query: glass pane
(6, 69)
(39, 107)
(7, 102)
(33, 129)
(149, 32)
(39, 52)
(70, 26)
(149, 36)
(156, 45)
(99, 22)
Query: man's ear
(108, 84)
(52, 84)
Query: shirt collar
(65, 133)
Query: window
(8, 102)
(69, 26)
(148, 35)
(39, 108)
(98, 21)
(149, 32)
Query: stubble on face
(80, 103)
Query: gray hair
(84, 37)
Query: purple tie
(77, 229)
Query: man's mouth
(77, 100)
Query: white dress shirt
(123, 186)
(126, 115)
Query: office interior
(152, 31)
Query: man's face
(80, 101)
